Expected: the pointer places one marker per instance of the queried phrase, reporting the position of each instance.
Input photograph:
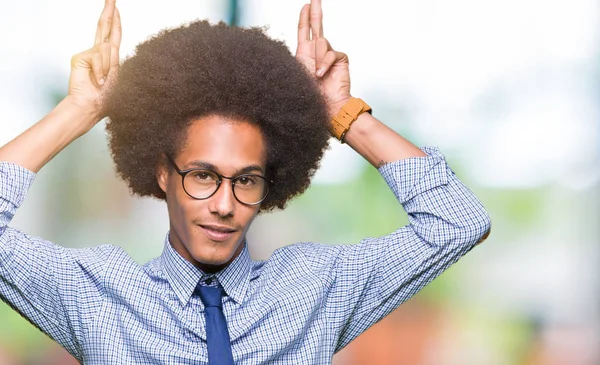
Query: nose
(223, 201)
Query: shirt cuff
(15, 181)
(413, 176)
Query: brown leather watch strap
(340, 123)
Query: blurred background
(510, 92)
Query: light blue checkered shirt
(301, 306)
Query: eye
(246, 180)
(203, 176)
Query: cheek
(176, 194)
(247, 215)
(177, 201)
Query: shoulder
(311, 256)
(102, 255)
(108, 261)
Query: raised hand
(330, 67)
(97, 66)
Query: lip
(217, 233)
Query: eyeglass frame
(183, 174)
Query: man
(223, 123)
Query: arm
(377, 143)
(369, 280)
(81, 109)
(56, 288)
(39, 144)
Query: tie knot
(210, 296)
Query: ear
(162, 173)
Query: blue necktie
(217, 335)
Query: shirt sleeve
(58, 290)
(369, 280)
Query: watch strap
(341, 122)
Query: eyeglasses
(200, 184)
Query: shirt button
(208, 281)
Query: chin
(211, 260)
(207, 254)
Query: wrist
(362, 125)
(86, 111)
(335, 106)
(83, 115)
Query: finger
(114, 58)
(105, 22)
(105, 50)
(98, 68)
(322, 46)
(304, 24)
(116, 30)
(331, 58)
(316, 19)
(90, 60)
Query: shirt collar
(184, 276)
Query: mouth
(217, 233)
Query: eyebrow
(209, 166)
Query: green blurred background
(509, 90)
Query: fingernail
(320, 72)
(102, 81)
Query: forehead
(228, 144)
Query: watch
(340, 123)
